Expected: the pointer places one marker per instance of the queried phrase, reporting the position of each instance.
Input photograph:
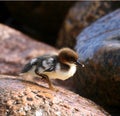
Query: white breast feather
(62, 75)
(57, 74)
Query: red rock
(16, 49)
(18, 97)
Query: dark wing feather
(29, 66)
(50, 65)
(39, 64)
(26, 68)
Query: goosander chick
(61, 66)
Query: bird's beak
(79, 63)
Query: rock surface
(81, 15)
(22, 98)
(16, 49)
(98, 47)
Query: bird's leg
(48, 80)
(36, 71)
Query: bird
(53, 66)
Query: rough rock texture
(16, 49)
(80, 16)
(98, 47)
(22, 98)
(39, 19)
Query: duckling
(61, 66)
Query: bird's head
(67, 55)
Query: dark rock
(81, 15)
(16, 49)
(22, 98)
(98, 47)
(39, 19)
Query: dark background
(40, 20)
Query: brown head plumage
(68, 55)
